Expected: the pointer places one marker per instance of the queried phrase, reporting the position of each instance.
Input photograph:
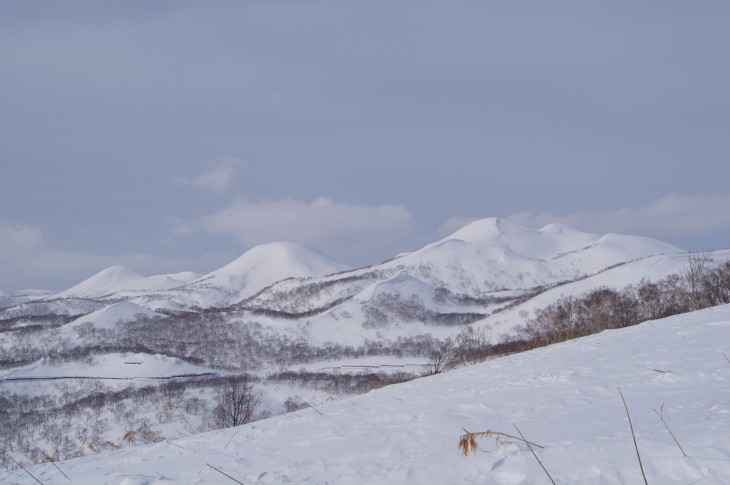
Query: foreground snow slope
(563, 397)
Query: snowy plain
(564, 397)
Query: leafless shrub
(237, 400)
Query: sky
(172, 135)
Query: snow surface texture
(564, 397)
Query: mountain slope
(109, 316)
(563, 397)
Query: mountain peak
(110, 280)
(281, 254)
(268, 263)
(487, 230)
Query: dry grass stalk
(222, 473)
(636, 446)
(305, 402)
(234, 435)
(50, 459)
(660, 413)
(468, 441)
(534, 454)
(728, 360)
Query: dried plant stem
(24, 469)
(728, 360)
(173, 444)
(633, 435)
(234, 435)
(305, 402)
(658, 371)
(468, 442)
(660, 413)
(50, 460)
(222, 473)
(534, 454)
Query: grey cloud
(443, 108)
(26, 260)
(354, 233)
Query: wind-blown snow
(564, 397)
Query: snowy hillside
(564, 398)
(650, 269)
(110, 315)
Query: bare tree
(441, 358)
(237, 400)
(697, 266)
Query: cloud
(354, 233)
(18, 241)
(216, 176)
(671, 215)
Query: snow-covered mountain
(564, 398)
(486, 266)
(491, 260)
(266, 264)
(256, 269)
(118, 278)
